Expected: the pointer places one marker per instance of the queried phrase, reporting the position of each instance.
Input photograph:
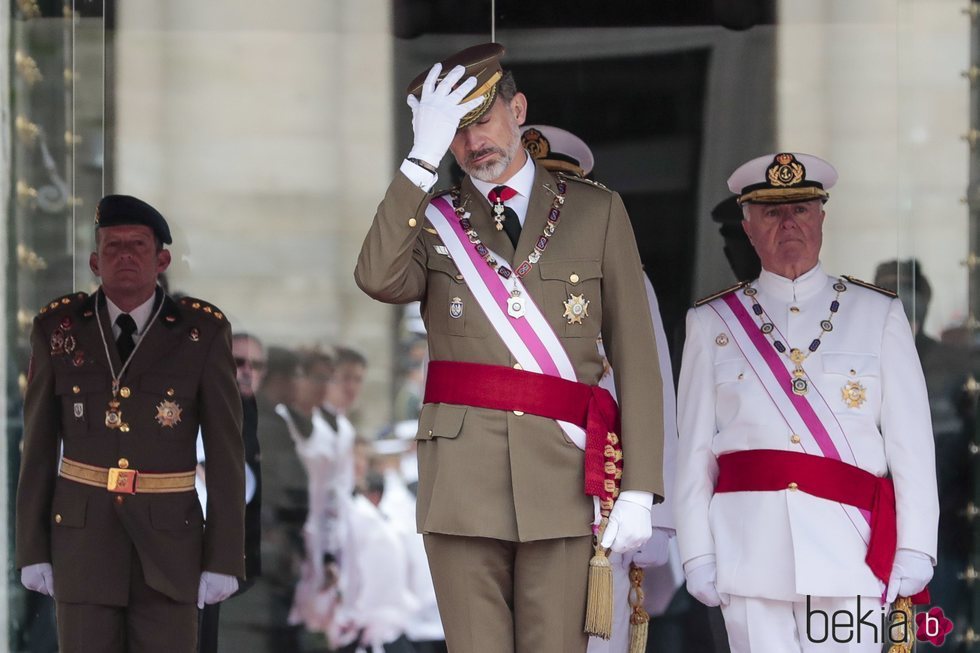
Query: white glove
(215, 588)
(629, 522)
(701, 578)
(38, 577)
(436, 116)
(653, 553)
(911, 573)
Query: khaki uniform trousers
(497, 596)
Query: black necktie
(125, 343)
(512, 224)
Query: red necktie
(504, 216)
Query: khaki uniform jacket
(492, 473)
(88, 533)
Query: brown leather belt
(126, 481)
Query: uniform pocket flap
(171, 515)
(68, 510)
(581, 269)
(65, 384)
(441, 263)
(730, 371)
(164, 385)
(448, 421)
(850, 364)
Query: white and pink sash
(809, 416)
(531, 340)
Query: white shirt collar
(522, 181)
(141, 314)
(794, 290)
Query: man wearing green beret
(120, 382)
(519, 270)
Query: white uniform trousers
(769, 626)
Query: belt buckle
(122, 481)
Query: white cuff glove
(38, 577)
(436, 116)
(653, 553)
(629, 522)
(702, 574)
(911, 573)
(215, 588)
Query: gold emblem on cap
(168, 413)
(576, 308)
(854, 394)
(785, 171)
(536, 144)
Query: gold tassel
(599, 608)
(904, 605)
(639, 619)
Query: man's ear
(519, 107)
(163, 260)
(93, 263)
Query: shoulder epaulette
(871, 286)
(64, 300)
(203, 306)
(583, 180)
(720, 293)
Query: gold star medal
(576, 308)
(854, 394)
(168, 413)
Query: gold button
(76, 389)
(123, 463)
(573, 278)
(120, 498)
(518, 412)
(794, 309)
(793, 486)
(170, 392)
(741, 376)
(853, 372)
(125, 392)
(430, 433)
(517, 366)
(459, 277)
(124, 428)
(57, 519)
(795, 439)
(412, 222)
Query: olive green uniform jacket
(490, 473)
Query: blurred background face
(250, 364)
(346, 386)
(311, 388)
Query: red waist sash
(505, 388)
(766, 470)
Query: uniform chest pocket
(852, 380)
(450, 307)
(730, 371)
(573, 296)
(79, 395)
(166, 405)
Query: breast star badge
(168, 413)
(576, 308)
(854, 394)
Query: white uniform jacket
(785, 544)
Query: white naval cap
(781, 178)
(557, 149)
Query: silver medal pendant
(515, 304)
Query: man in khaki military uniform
(120, 382)
(508, 527)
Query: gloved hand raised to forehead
(436, 115)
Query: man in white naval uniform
(800, 396)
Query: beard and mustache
(492, 169)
